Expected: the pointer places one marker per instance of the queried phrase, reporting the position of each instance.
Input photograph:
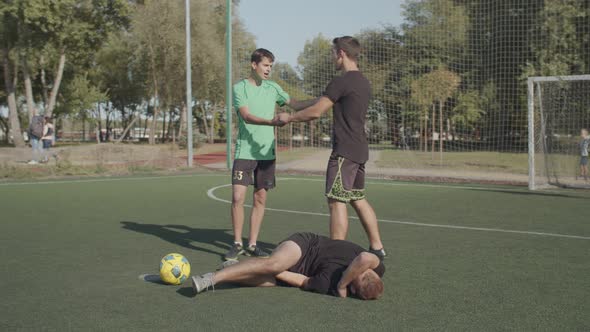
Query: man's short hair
(349, 45)
(371, 287)
(262, 53)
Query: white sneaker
(202, 283)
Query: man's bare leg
(368, 218)
(248, 271)
(237, 210)
(338, 219)
(257, 214)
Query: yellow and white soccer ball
(174, 269)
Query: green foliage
(81, 95)
(432, 28)
(469, 109)
(124, 51)
(436, 86)
(316, 63)
(562, 47)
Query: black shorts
(308, 243)
(260, 173)
(584, 160)
(345, 179)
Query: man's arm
(312, 112)
(363, 262)
(293, 279)
(298, 105)
(253, 119)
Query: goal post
(558, 108)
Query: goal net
(449, 91)
(559, 109)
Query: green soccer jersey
(257, 142)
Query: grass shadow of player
(187, 291)
(190, 238)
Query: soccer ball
(174, 269)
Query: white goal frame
(531, 83)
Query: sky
(283, 27)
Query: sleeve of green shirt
(239, 96)
(282, 96)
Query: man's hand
(360, 264)
(284, 117)
(342, 291)
(277, 122)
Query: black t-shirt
(350, 94)
(324, 261)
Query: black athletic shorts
(308, 243)
(260, 173)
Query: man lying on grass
(311, 262)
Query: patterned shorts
(345, 179)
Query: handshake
(281, 119)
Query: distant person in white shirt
(584, 143)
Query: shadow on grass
(188, 291)
(191, 238)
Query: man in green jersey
(254, 100)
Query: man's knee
(260, 197)
(238, 197)
(274, 266)
(359, 204)
(285, 256)
(335, 204)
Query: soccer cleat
(235, 250)
(378, 252)
(255, 251)
(202, 283)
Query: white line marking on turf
(211, 194)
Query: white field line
(211, 194)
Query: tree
(435, 88)
(384, 64)
(82, 96)
(66, 29)
(121, 76)
(315, 64)
(159, 31)
(8, 32)
(562, 45)
(469, 109)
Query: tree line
(455, 68)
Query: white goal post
(539, 118)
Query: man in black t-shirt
(311, 262)
(348, 95)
